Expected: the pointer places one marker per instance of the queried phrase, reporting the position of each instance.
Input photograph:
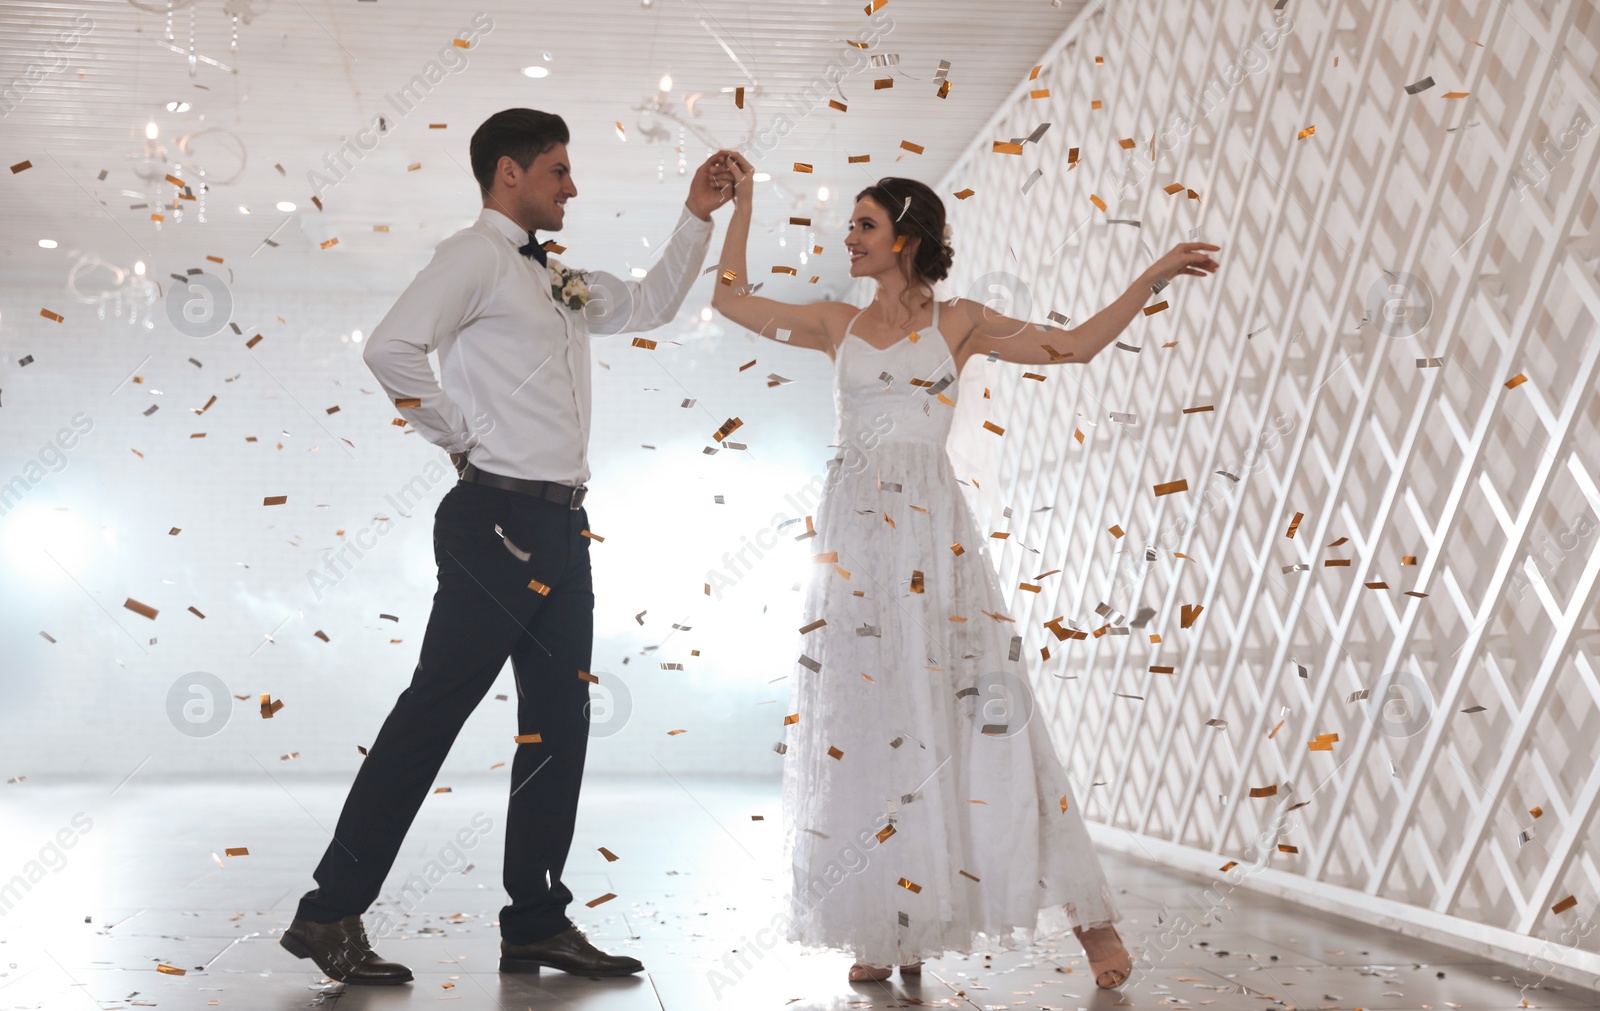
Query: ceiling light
(762, 177)
(47, 243)
(822, 192)
(150, 130)
(705, 314)
(285, 206)
(536, 72)
(637, 271)
(355, 335)
(666, 82)
(138, 268)
(177, 106)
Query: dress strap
(936, 314)
(853, 319)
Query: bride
(917, 824)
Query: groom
(510, 540)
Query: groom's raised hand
(712, 186)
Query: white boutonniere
(569, 287)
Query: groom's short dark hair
(524, 134)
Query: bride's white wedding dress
(925, 813)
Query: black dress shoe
(568, 951)
(340, 950)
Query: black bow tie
(535, 250)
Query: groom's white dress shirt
(513, 391)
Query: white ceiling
(307, 73)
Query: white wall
(1411, 817)
(95, 702)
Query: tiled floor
(148, 884)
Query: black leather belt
(550, 491)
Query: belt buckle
(577, 498)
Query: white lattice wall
(1489, 202)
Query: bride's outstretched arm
(1014, 340)
(805, 326)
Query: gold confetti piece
(1063, 803)
(834, 753)
(916, 581)
(957, 549)
(236, 851)
(214, 259)
(1151, 310)
(1379, 585)
(996, 429)
(584, 675)
(271, 706)
(827, 557)
(913, 148)
(1199, 410)
(1308, 131)
(1115, 530)
(738, 98)
(1174, 188)
(1275, 733)
(1516, 381)
(675, 733)
(1474, 709)
(252, 342)
(1294, 524)
(791, 271)
(607, 897)
(791, 719)
(1093, 199)
(644, 342)
(1040, 93)
(409, 402)
(413, 166)
(528, 739)
(437, 126)
(899, 243)
(461, 43)
(1030, 587)
(1286, 848)
(859, 159)
(1189, 613)
(1565, 904)
(21, 166)
(1230, 865)
(1320, 745)
(272, 500)
(1033, 375)
(317, 200)
(1006, 147)
(1077, 433)
(172, 970)
(800, 221)
(882, 83)
(1414, 593)
(834, 103)
(137, 608)
(1264, 791)
(1456, 94)
(1335, 562)
(912, 886)
(1340, 541)
(801, 166)
(1408, 559)
(331, 242)
(730, 426)
(1536, 811)
(813, 626)
(539, 588)
(47, 314)
(1162, 670)
(1182, 484)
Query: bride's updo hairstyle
(921, 221)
